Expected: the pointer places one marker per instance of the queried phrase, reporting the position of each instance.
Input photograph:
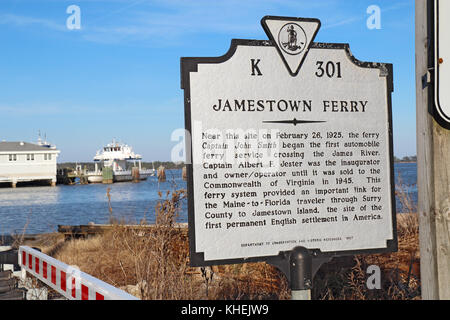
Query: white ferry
(116, 155)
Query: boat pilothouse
(116, 155)
(44, 143)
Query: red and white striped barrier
(67, 280)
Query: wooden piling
(184, 173)
(161, 174)
(135, 174)
(433, 167)
(66, 176)
(83, 179)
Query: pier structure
(69, 176)
(106, 175)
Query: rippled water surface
(42, 209)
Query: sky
(118, 75)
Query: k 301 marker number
(330, 69)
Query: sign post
(433, 147)
(291, 144)
(300, 264)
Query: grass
(153, 263)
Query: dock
(68, 176)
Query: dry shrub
(400, 271)
(350, 283)
(249, 281)
(152, 262)
(408, 221)
(154, 259)
(404, 196)
(407, 225)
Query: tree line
(406, 159)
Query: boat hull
(121, 176)
(95, 177)
(124, 176)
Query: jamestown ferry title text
(288, 105)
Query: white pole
(301, 295)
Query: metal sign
(291, 144)
(442, 59)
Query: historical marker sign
(442, 59)
(291, 145)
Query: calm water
(42, 209)
(406, 181)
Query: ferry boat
(116, 155)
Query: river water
(42, 209)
